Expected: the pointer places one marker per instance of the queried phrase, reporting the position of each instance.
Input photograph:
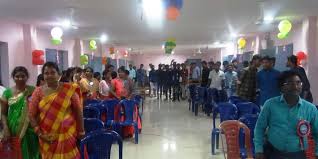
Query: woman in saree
(56, 115)
(15, 119)
(89, 85)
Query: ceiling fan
(69, 23)
(262, 18)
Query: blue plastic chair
(99, 143)
(250, 121)
(109, 107)
(91, 112)
(92, 124)
(192, 91)
(140, 102)
(247, 108)
(227, 111)
(129, 107)
(200, 99)
(87, 102)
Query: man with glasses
(289, 122)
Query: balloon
(38, 57)
(111, 50)
(56, 41)
(84, 59)
(57, 33)
(282, 35)
(285, 26)
(173, 3)
(241, 43)
(92, 45)
(104, 60)
(172, 13)
(301, 55)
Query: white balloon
(57, 32)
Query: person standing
(166, 81)
(104, 85)
(14, 107)
(141, 76)
(267, 80)
(195, 74)
(230, 80)
(160, 78)
(216, 79)
(89, 85)
(184, 81)
(247, 81)
(56, 114)
(285, 122)
(132, 72)
(205, 74)
(293, 65)
(175, 72)
(153, 79)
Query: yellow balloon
(241, 43)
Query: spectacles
(290, 83)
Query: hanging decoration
(126, 53)
(111, 50)
(92, 45)
(241, 43)
(56, 34)
(284, 28)
(301, 56)
(84, 59)
(170, 44)
(173, 8)
(37, 57)
(104, 60)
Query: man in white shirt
(216, 77)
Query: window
(58, 56)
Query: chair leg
(213, 142)
(136, 133)
(217, 140)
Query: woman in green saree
(14, 108)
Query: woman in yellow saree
(15, 114)
(56, 115)
(89, 84)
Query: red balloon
(301, 55)
(38, 57)
(172, 13)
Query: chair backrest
(91, 112)
(247, 108)
(231, 130)
(110, 108)
(92, 124)
(201, 93)
(138, 99)
(98, 144)
(87, 102)
(192, 90)
(250, 121)
(236, 99)
(130, 110)
(227, 111)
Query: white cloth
(2, 89)
(216, 79)
(104, 88)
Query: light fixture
(153, 8)
(172, 52)
(163, 46)
(233, 35)
(268, 19)
(217, 43)
(66, 23)
(103, 38)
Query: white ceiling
(201, 22)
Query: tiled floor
(170, 131)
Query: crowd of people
(51, 113)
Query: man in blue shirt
(280, 119)
(230, 80)
(267, 80)
(141, 75)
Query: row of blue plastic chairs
(95, 110)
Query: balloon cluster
(173, 8)
(56, 34)
(284, 28)
(241, 43)
(111, 50)
(170, 44)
